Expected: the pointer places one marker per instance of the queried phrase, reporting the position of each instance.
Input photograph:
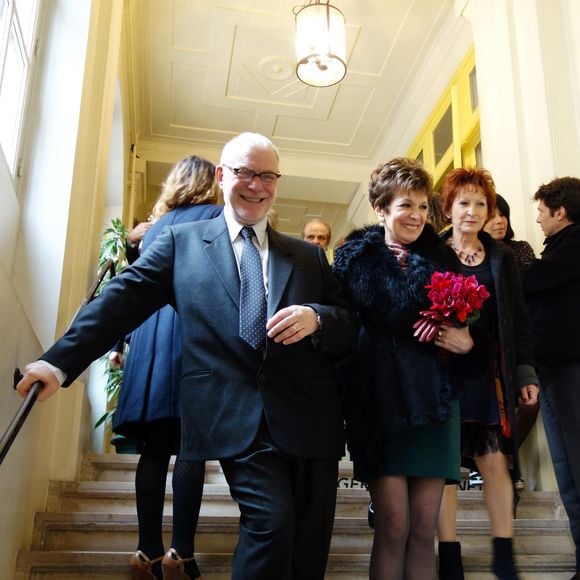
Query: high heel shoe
(177, 568)
(142, 566)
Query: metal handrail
(26, 405)
(18, 419)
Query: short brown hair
(399, 174)
(461, 178)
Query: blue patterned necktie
(252, 293)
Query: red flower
(455, 297)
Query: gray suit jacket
(226, 385)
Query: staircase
(89, 529)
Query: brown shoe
(142, 566)
(174, 567)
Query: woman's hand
(135, 236)
(116, 359)
(426, 329)
(453, 339)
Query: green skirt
(432, 451)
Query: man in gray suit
(270, 412)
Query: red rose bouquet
(455, 300)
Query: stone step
(90, 528)
(119, 497)
(121, 467)
(69, 565)
(104, 532)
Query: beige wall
(50, 228)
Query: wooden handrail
(26, 406)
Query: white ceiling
(205, 70)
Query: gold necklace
(466, 257)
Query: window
(450, 137)
(18, 19)
(443, 135)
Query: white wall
(66, 150)
(49, 160)
(32, 230)
(529, 98)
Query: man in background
(317, 232)
(552, 287)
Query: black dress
(485, 426)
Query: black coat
(394, 381)
(152, 375)
(514, 338)
(552, 287)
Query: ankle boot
(450, 564)
(503, 559)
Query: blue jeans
(560, 406)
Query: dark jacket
(152, 373)
(228, 388)
(515, 338)
(514, 333)
(552, 288)
(394, 381)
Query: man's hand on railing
(38, 371)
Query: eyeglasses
(245, 174)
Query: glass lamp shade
(320, 45)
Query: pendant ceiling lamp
(320, 44)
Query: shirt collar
(234, 228)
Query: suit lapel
(221, 257)
(279, 270)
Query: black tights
(405, 518)
(150, 479)
(150, 483)
(188, 479)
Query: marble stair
(89, 529)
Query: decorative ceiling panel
(205, 70)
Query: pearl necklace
(466, 257)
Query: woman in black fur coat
(401, 405)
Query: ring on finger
(439, 334)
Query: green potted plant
(113, 247)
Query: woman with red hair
(487, 402)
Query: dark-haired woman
(498, 226)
